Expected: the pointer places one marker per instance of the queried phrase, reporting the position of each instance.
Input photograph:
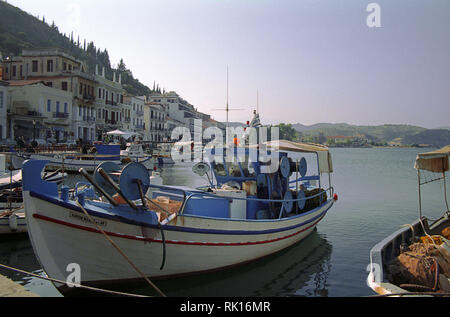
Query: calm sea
(377, 189)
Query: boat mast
(227, 109)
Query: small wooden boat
(252, 210)
(389, 257)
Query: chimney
(114, 76)
(103, 72)
(96, 69)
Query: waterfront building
(60, 71)
(109, 102)
(136, 114)
(155, 122)
(37, 111)
(176, 107)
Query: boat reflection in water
(300, 270)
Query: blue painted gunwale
(97, 211)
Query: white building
(155, 118)
(109, 102)
(176, 107)
(37, 111)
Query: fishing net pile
(423, 266)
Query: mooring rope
(77, 286)
(119, 250)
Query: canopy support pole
(445, 193)
(420, 198)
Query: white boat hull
(61, 234)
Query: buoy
(335, 197)
(13, 222)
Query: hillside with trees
(20, 30)
(381, 134)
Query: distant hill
(20, 30)
(402, 134)
(380, 133)
(436, 137)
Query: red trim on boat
(72, 225)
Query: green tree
(287, 132)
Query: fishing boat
(416, 241)
(135, 153)
(252, 207)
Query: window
(99, 93)
(64, 85)
(57, 107)
(14, 70)
(1, 99)
(65, 107)
(49, 84)
(50, 66)
(34, 67)
(64, 65)
(49, 105)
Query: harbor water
(377, 191)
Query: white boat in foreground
(385, 266)
(245, 215)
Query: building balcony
(111, 102)
(112, 122)
(25, 113)
(88, 97)
(127, 120)
(89, 119)
(60, 115)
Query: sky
(309, 61)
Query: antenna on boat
(227, 108)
